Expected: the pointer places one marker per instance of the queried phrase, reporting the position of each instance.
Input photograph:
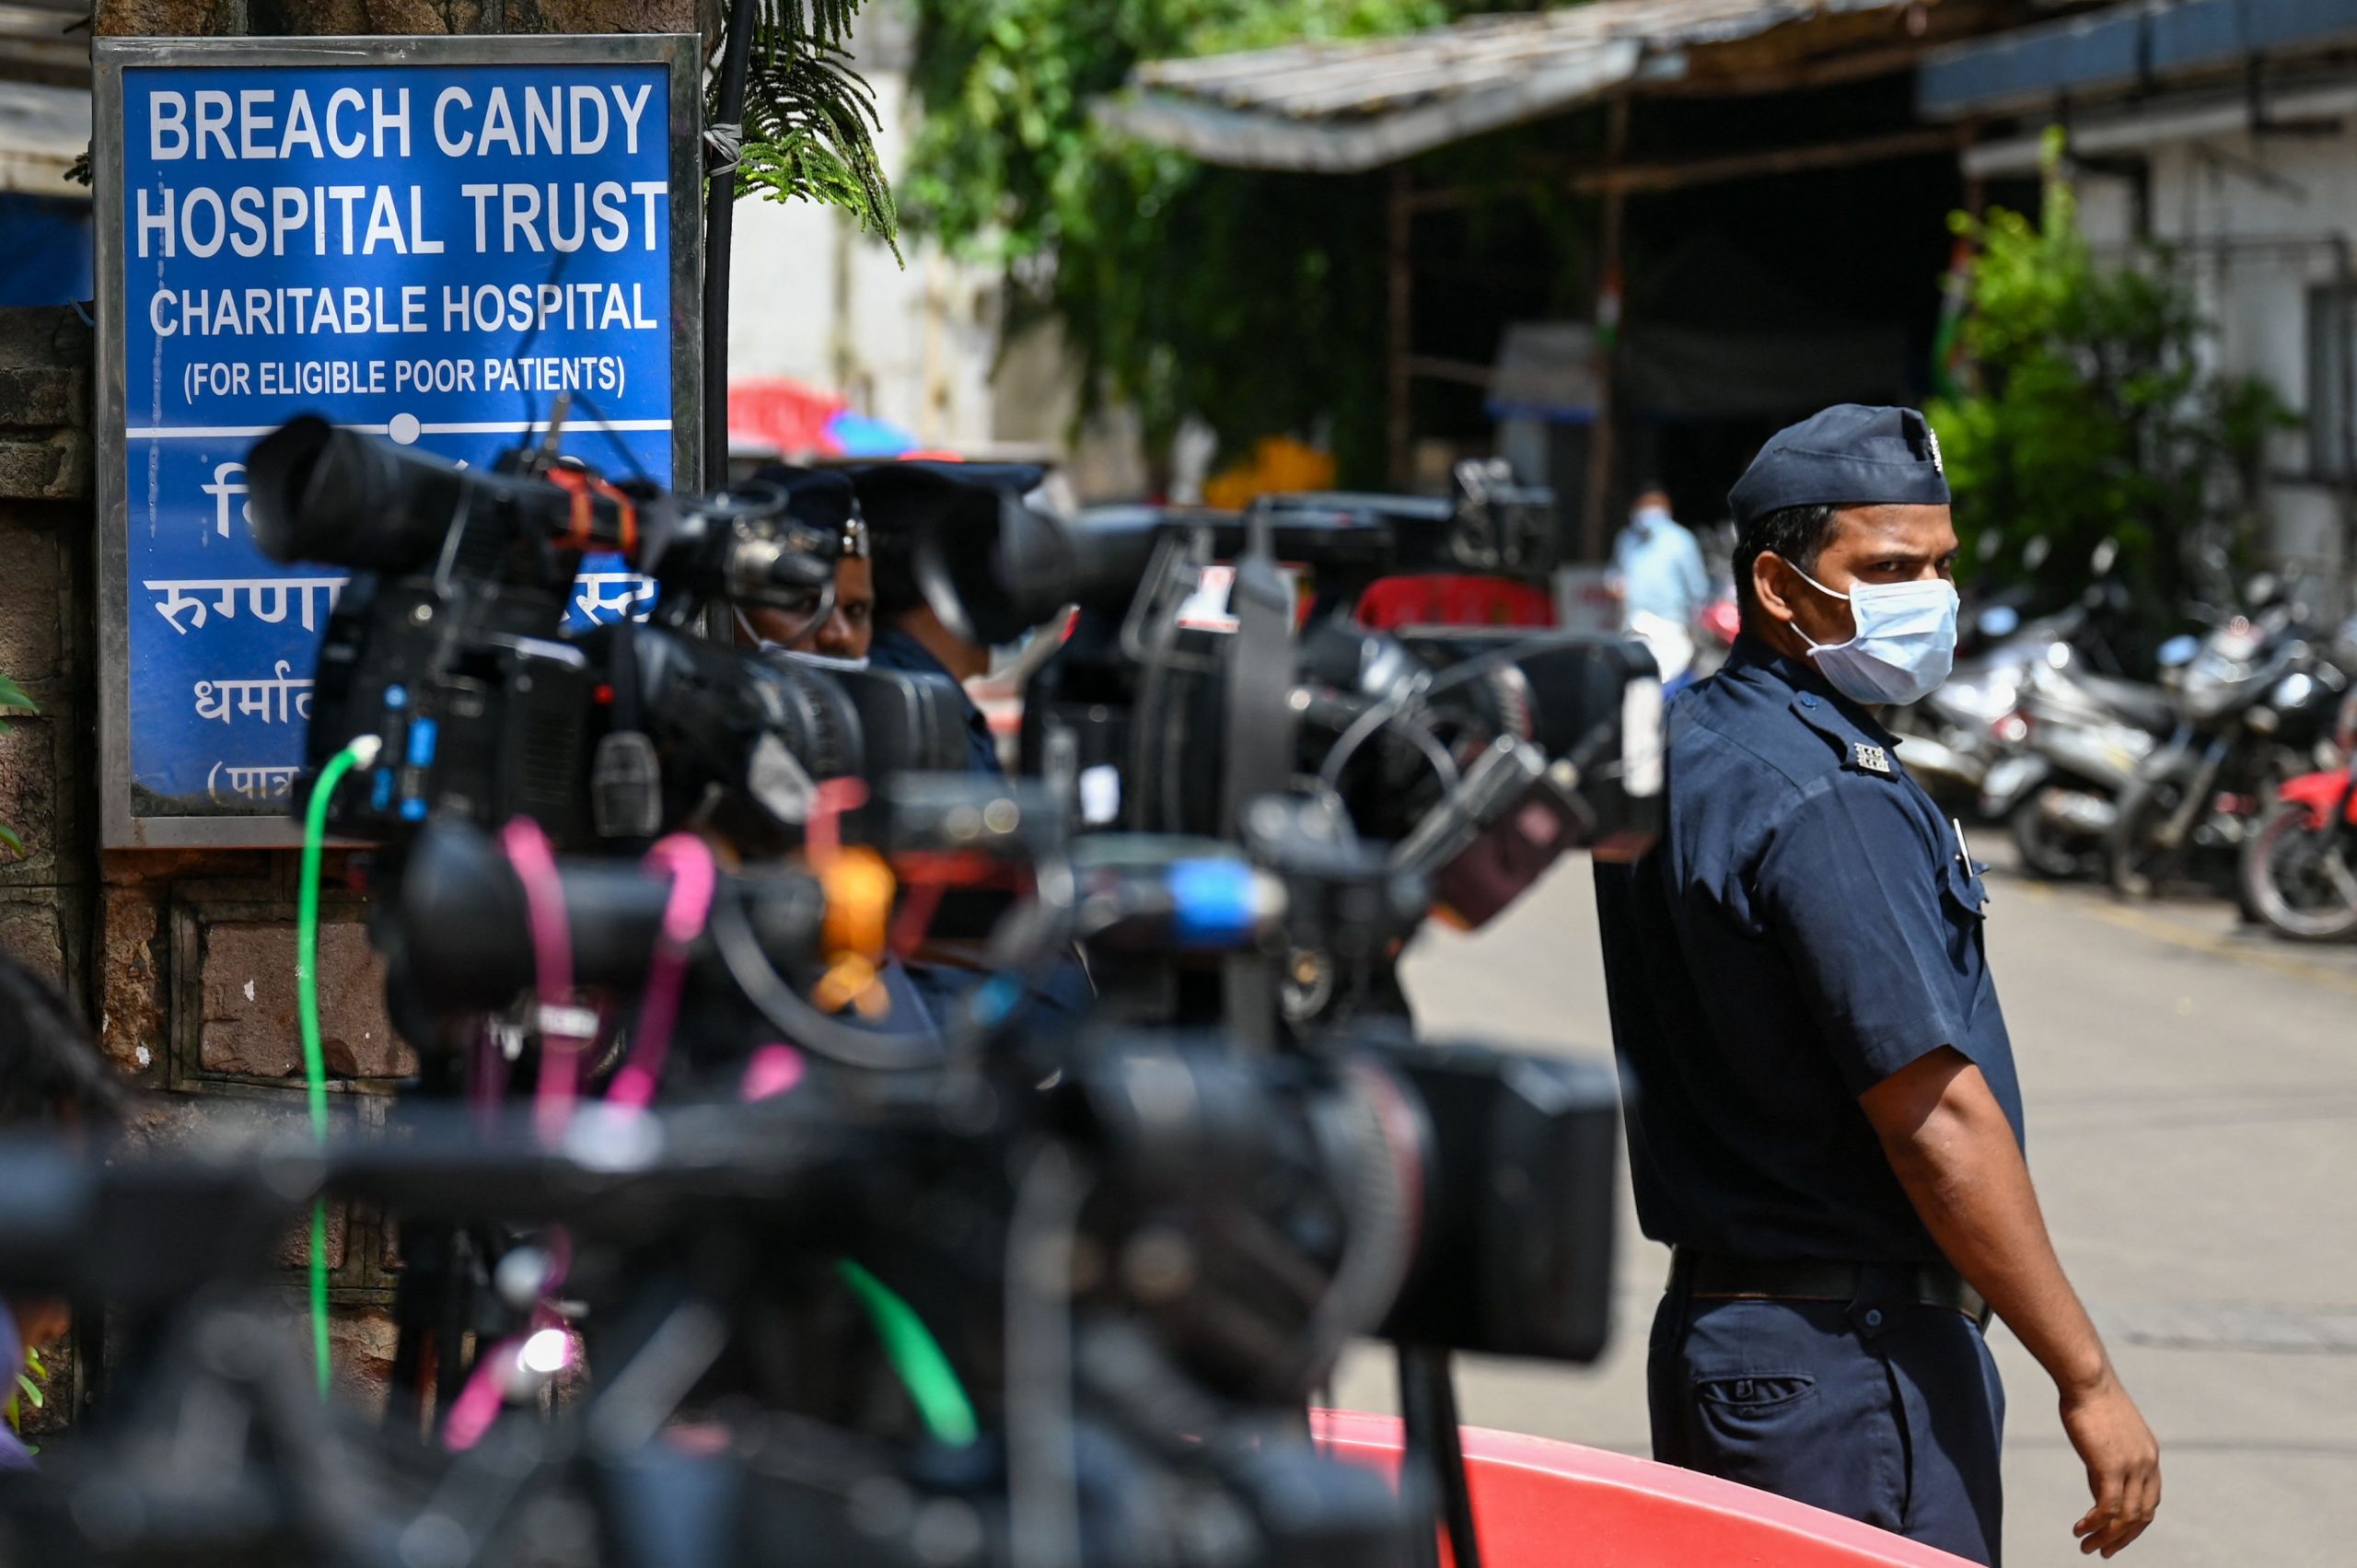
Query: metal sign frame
(120, 826)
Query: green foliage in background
(809, 125)
(1253, 300)
(2087, 413)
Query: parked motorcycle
(2299, 867)
(2074, 745)
(2256, 701)
(1716, 631)
(1952, 738)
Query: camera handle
(1259, 745)
(1431, 1443)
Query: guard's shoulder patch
(1872, 759)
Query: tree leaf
(1241, 298)
(808, 130)
(2091, 412)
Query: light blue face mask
(1905, 643)
(790, 650)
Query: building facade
(2222, 139)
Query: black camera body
(482, 710)
(1480, 754)
(447, 648)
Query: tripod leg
(414, 1296)
(1428, 1406)
(454, 1304)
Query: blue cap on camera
(1848, 455)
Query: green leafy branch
(809, 121)
(1238, 296)
(13, 699)
(2088, 410)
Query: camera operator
(846, 631)
(909, 636)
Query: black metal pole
(1419, 1466)
(1428, 1412)
(719, 223)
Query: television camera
(1006, 1286)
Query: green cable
(307, 1011)
(916, 1355)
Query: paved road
(2192, 1107)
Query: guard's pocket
(1966, 892)
(1757, 1398)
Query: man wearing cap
(1824, 1122)
(825, 500)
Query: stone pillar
(46, 637)
(46, 645)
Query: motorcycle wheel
(2140, 867)
(2046, 852)
(2306, 896)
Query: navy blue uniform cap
(822, 498)
(1848, 455)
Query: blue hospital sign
(432, 253)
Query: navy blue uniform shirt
(1806, 927)
(942, 987)
(895, 649)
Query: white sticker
(1205, 609)
(558, 1021)
(779, 782)
(1100, 794)
(1640, 743)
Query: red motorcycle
(2298, 866)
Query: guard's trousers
(1882, 1409)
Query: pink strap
(693, 879)
(534, 863)
(774, 1070)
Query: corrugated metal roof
(2127, 46)
(1357, 105)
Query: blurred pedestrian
(1658, 575)
(1824, 1120)
(1657, 565)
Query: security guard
(1824, 1121)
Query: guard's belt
(1708, 1277)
